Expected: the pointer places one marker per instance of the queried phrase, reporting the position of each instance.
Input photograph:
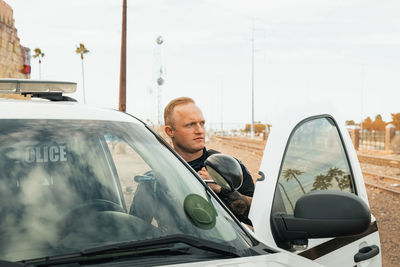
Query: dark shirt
(247, 187)
(146, 193)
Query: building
(14, 58)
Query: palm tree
(293, 173)
(81, 50)
(39, 54)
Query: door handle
(366, 253)
(262, 178)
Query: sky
(342, 53)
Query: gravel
(385, 207)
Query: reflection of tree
(286, 194)
(345, 182)
(293, 173)
(324, 181)
(334, 173)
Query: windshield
(68, 185)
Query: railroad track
(384, 176)
(385, 179)
(382, 187)
(257, 146)
(379, 160)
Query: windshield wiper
(196, 242)
(137, 248)
(10, 264)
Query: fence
(373, 140)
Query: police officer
(184, 124)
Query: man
(184, 124)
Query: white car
(83, 186)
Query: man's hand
(206, 176)
(239, 204)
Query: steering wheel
(72, 220)
(96, 205)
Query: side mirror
(225, 171)
(321, 214)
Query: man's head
(184, 124)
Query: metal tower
(160, 72)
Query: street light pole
(122, 77)
(160, 79)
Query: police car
(84, 186)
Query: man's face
(188, 133)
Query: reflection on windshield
(321, 182)
(314, 160)
(70, 185)
(324, 181)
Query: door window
(315, 159)
(129, 164)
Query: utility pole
(222, 109)
(361, 134)
(122, 77)
(252, 80)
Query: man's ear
(169, 131)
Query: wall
(14, 58)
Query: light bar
(19, 86)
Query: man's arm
(237, 202)
(249, 199)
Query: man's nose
(199, 128)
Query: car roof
(39, 109)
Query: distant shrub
(396, 144)
(258, 128)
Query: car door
(309, 151)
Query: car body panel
(261, 209)
(41, 109)
(281, 259)
(348, 252)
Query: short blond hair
(169, 109)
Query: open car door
(309, 153)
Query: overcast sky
(344, 53)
